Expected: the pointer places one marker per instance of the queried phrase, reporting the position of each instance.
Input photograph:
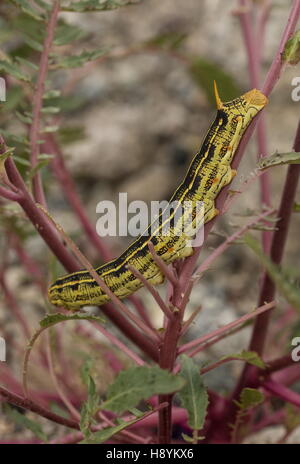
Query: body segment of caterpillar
(208, 173)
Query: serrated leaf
(76, 61)
(250, 357)
(283, 282)
(249, 398)
(27, 8)
(23, 421)
(139, 383)
(13, 69)
(52, 319)
(291, 53)
(204, 72)
(193, 395)
(278, 159)
(91, 405)
(96, 5)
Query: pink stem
(67, 184)
(282, 392)
(34, 133)
(215, 333)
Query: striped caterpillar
(208, 173)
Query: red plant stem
(67, 184)
(250, 374)
(168, 353)
(85, 262)
(30, 405)
(119, 344)
(153, 292)
(38, 219)
(49, 234)
(166, 270)
(8, 194)
(282, 392)
(216, 333)
(254, 63)
(29, 264)
(34, 133)
(221, 248)
(278, 364)
(68, 187)
(277, 248)
(14, 307)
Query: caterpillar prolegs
(209, 172)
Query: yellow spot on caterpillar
(233, 173)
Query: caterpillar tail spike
(209, 172)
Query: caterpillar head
(246, 107)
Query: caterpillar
(209, 172)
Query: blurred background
(132, 119)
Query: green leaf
(204, 72)
(278, 159)
(13, 69)
(91, 405)
(50, 110)
(71, 134)
(103, 435)
(296, 207)
(24, 422)
(27, 8)
(34, 44)
(24, 117)
(139, 383)
(249, 398)
(169, 41)
(8, 152)
(292, 417)
(193, 396)
(52, 94)
(96, 5)
(291, 53)
(27, 63)
(280, 277)
(68, 33)
(250, 357)
(76, 61)
(52, 319)
(50, 129)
